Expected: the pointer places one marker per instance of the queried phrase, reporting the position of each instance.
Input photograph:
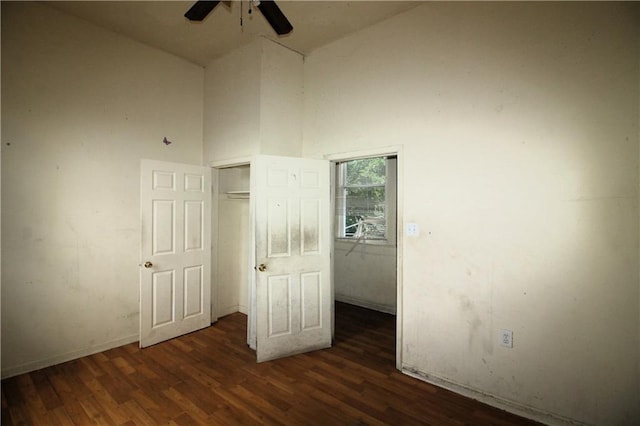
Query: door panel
(278, 228)
(163, 297)
(310, 226)
(193, 291)
(279, 305)
(163, 221)
(175, 289)
(311, 300)
(292, 235)
(193, 225)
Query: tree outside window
(362, 199)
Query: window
(366, 199)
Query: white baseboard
(365, 304)
(228, 310)
(59, 359)
(494, 401)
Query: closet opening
(231, 235)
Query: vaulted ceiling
(161, 24)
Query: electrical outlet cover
(506, 338)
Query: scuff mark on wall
(484, 361)
(468, 308)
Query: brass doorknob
(148, 264)
(262, 267)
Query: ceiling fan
(269, 9)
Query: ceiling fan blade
(275, 17)
(200, 10)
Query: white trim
(332, 244)
(252, 308)
(69, 356)
(366, 153)
(365, 304)
(376, 242)
(399, 254)
(233, 162)
(215, 209)
(492, 400)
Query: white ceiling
(162, 24)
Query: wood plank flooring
(210, 377)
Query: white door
(175, 289)
(293, 301)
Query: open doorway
(365, 254)
(232, 216)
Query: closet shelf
(237, 194)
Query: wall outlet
(506, 338)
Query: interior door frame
(216, 166)
(395, 150)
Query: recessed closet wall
(231, 227)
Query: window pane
(368, 171)
(366, 204)
(363, 204)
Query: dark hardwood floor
(211, 377)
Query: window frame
(390, 188)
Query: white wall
(253, 103)
(232, 105)
(519, 127)
(281, 101)
(365, 275)
(80, 107)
